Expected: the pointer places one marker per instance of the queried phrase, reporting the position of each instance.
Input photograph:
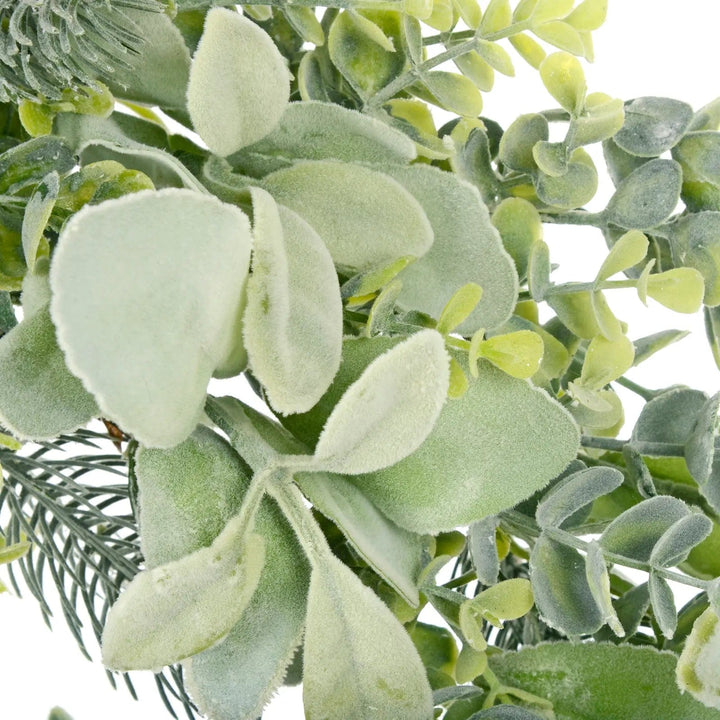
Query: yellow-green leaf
(564, 79)
(680, 289)
(605, 361)
(498, 15)
(459, 307)
(630, 249)
(518, 353)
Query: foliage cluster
(380, 282)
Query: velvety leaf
(647, 346)
(598, 579)
(239, 83)
(357, 655)
(561, 35)
(389, 411)
(44, 399)
(598, 681)
(680, 289)
(697, 668)
(517, 142)
(466, 249)
(504, 712)
(602, 118)
(479, 71)
(551, 158)
(679, 539)
(629, 250)
(539, 269)
(562, 593)
(482, 546)
(324, 131)
(452, 92)
(363, 216)
(517, 353)
(653, 125)
(36, 216)
(457, 309)
(507, 600)
(573, 189)
(520, 227)
(588, 15)
(147, 357)
(700, 444)
(603, 418)
(293, 317)
(670, 417)
(663, 604)
(646, 197)
(634, 533)
(605, 361)
(529, 50)
(564, 79)
(498, 15)
(698, 153)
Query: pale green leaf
(598, 579)
(680, 289)
(8, 553)
(599, 681)
(517, 142)
(605, 361)
(147, 357)
(37, 214)
(389, 411)
(602, 118)
(700, 443)
(467, 249)
(679, 539)
(469, 11)
(496, 56)
(528, 49)
(517, 353)
(670, 417)
(697, 668)
(576, 312)
(293, 317)
(470, 664)
(573, 189)
(712, 331)
(498, 15)
(609, 325)
(459, 307)
(564, 79)
(362, 287)
(539, 269)
(239, 83)
(551, 10)
(507, 600)
(602, 418)
(452, 92)
(698, 153)
(324, 131)
(562, 35)
(663, 604)
(630, 249)
(588, 15)
(442, 17)
(653, 125)
(520, 227)
(473, 67)
(185, 606)
(647, 346)
(305, 24)
(563, 596)
(357, 656)
(44, 399)
(551, 158)
(364, 217)
(482, 546)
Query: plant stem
(656, 449)
(574, 217)
(643, 392)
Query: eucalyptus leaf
(239, 83)
(698, 153)
(630, 249)
(539, 269)
(697, 666)
(598, 580)
(606, 360)
(670, 417)
(364, 217)
(602, 118)
(700, 444)
(389, 411)
(680, 289)
(563, 76)
(357, 655)
(663, 604)
(452, 92)
(517, 142)
(647, 346)
(679, 539)
(37, 214)
(574, 188)
(482, 546)
(520, 227)
(504, 712)
(115, 257)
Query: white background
(647, 47)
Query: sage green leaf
(647, 346)
(573, 189)
(619, 163)
(44, 399)
(653, 125)
(564, 79)
(324, 131)
(603, 418)
(646, 197)
(31, 161)
(598, 681)
(496, 56)
(178, 609)
(700, 444)
(546, 10)
(670, 417)
(358, 657)
(293, 317)
(457, 309)
(517, 142)
(663, 604)
(504, 712)
(574, 492)
(698, 153)
(482, 546)
(239, 83)
(609, 325)
(363, 216)
(520, 227)
(602, 118)
(473, 67)
(438, 651)
(158, 74)
(551, 158)
(605, 361)
(598, 579)
(679, 539)
(466, 249)
(36, 216)
(634, 533)
(450, 91)
(305, 24)
(507, 600)
(697, 669)
(539, 269)
(562, 593)
(712, 331)
(389, 411)
(198, 486)
(147, 357)
(695, 243)
(630, 249)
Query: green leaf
(293, 316)
(698, 153)
(634, 533)
(602, 118)
(517, 353)
(551, 158)
(443, 15)
(630, 249)
(564, 79)
(496, 56)
(305, 24)
(459, 307)
(647, 346)
(605, 361)
(712, 331)
(498, 15)
(518, 141)
(37, 215)
(588, 15)
(596, 574)
(476, 69)
(323, 131)
(653, 125)
(507, 600)
(670, 417)
(646, 197)
(467, 249)
(679, 539)
(8, 553)
(528, 49)
(389, 411)
(576, 312)
(239, 83)
(561, 35)
(185, 606)
(470, 664)
(357, 656)
(598, 681)
(147, 357)
(44, 399)
(482, 546)
(700, 443)
(609, 325)
(452, 92)
(574, 492)
(31, 161)
(469, 11)
(380, 220)
(58, 713)
(437, 649)
(680, 289)
(520, 227)
(573, 189)
(562, 593)
(539, 269)
(551, 10)
(663, 604)
(697, 666)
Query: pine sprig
(73, 505)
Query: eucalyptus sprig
(380, 283)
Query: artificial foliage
(190, 192)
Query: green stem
(656, 449)
(576, 287)
(643, 392)
(574, 217)
(260, 484)
(461, 580)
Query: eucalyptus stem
(656, 449)
(576, 287)
(574, 217)
(643, 392)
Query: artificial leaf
(647, 346)
(44, 399)
(496, 56)
(653, 125)
(610, 327)
(602, 118)
(443, 15)
(239, 83)
(460, 305)
(364, 217)
(517, 353)
(389, 411)
(698, 154)
(700, 444)
(469, 11)
(517, 142)
(697, 667)
(605, 361)
(528, 49)
(551, 158)
(293, 317)
(546, 10)
(466, 249)
(669, 417)
(663, 604)
(356, 654)
(539, 269)
(475, 68)
(498, 15)
(147, 356)
(507, 600)
(680, 289)
(596, 574)
(470, 664)
(37, 214)
(520, 227)
(482, 546)
(564, 79)
(306, 24)
(712, 331)
(679, 539)
(562, 593)
(561, 35)
(438, 652)
(630, 249)
(597, 681)
(573, 189)
(588, 15)
(450, 91)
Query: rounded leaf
(564, 79)
(697, 668)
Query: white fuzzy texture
(146, 291)
(293, 319)
(698, 669)
(239, 84)
(389, 411)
